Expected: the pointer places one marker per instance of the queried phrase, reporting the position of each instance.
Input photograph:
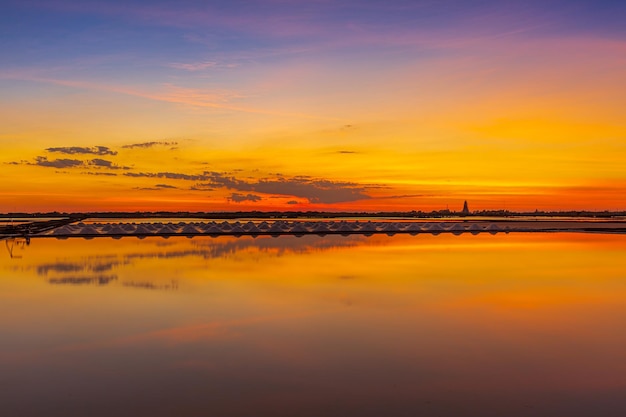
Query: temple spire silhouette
(465, 210)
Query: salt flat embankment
(282, 227)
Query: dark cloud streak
(73, 150)
(42, 161)
(61, 163)
(168, 175)
(314, 190)
(103, 163)
(149, 144)
(240, 198)
(108, 174)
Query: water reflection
(16, 244)
(82, 280)
(96, 268)
(444, 325)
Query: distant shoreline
(312, 214)
(66, 228)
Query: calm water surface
(504, 325)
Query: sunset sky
(312, 105)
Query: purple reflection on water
(402, 326)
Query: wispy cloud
(347, 23)
(108, 174)
(164, 186)
(201, 187)
(400, 197)
(193, 66)
(200, 65)
(168, 175)
(149, 144)
(158, 187)
(167, 92)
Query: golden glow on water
(330, 325)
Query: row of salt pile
(273, 227)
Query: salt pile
(275, 228)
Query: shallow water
(515, 325)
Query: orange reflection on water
(405, 325)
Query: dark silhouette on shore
(53, 220)
(62, 217)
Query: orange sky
(332, 113)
